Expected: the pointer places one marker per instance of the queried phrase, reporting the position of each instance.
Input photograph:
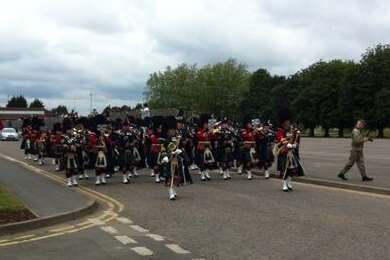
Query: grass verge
(12, 209)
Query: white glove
(289, 146)
(178, 151)
(165, 159)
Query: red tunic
(92, 141)
(281, 138)
(55, 139)
(204, 138)
(155, 143)
(249, 137)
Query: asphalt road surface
(238, 219)
(324, 158)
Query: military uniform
(249, 153)
(356, 155)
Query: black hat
(170, 122)
(157, 122)
(203, 118)
(57, 127)
(140, 122)
(284, 115)
(247, 119)
(129, 120)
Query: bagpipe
(292, 137)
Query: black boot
(342, 176)
(367, 178)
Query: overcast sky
(62, 50)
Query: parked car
(9, 134)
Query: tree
(382, 109)
(60, 110)
(282, 96)
(217, 88)
(37, 104)
(373, 81)
(221, 88)
(17, 102)
(257, 101)
(321, 99)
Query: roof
(16, 113)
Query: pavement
(237, 219)
(324, 158)
(41, 195)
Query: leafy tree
(282, 96)
(257, 100)
(60, 110)
(215, 88)
(373, 82)
(322, 95)
(17, 102)
(37, 104)
(222, 87)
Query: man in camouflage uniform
(356, 156)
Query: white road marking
(110, 230)
(144, 251)
(125, 240)
(124, 220)
(139, 228)
(177, 249)
(96, 221)
(155, 237)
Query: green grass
(8, 203)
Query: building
(13, 117)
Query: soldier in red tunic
(204, 156)
(286, 150)
(249, 155)
(56, 141)
(155, 147)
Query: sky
(61, 51)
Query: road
(325, 157)
(238, 219)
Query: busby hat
(203, 118)
(157, 122)
(284, 115)
(247, 119)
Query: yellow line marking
(61, 229)
(13, 242)
(83, 223)
(23, 237)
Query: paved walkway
(42, 195)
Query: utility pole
(90, 102)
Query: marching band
(170, 147)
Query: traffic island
(12, 209)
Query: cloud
(63, 50)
